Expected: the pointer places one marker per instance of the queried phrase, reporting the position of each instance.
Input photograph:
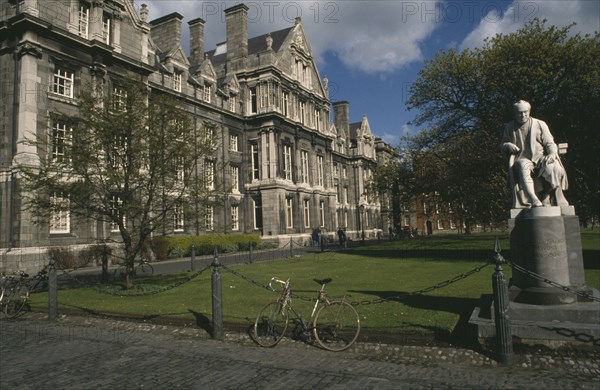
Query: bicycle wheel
(145, 269)
(270, 325)
(15, 304)
(336, 326)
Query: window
(344, 172)
(234, 172)
(252, 102)
(235, 223)
(118, 151)
(287, 162)
(285, 100)
(346, 196)
(254, 151)
(209, 222)
(206, 93)
(178, 220)
(322, 213)
(116, 210)
(306, 209)
(61, 141)
(304, 160)
(258, 214)
(180, 170)
(233, 142)
(318, 120)
(345, 217)
(106, 28)
(119, 99)
(209, 175)
(320, 180)
(84, 20)
(177, 84)
(337, 193)
(335, 170)
(232, 103)
(302, 112)
(59, 216)
(289, 214)
(62, 82)
(209, 136)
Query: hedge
(181, 246)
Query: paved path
(90, 353)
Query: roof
(255, 45)
(353, 129)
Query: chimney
(166, 31)
(341, 117)
(196, 41)
(236, 20)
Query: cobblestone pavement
(77, 352)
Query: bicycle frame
(286, 300)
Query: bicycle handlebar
(274, 279)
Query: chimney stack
(196, 41)
(236, 20)
(341, 117)
(166, 31)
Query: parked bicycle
(15, 290)
(334, 324)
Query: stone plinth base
(545, 241)
(577, 323)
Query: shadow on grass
(462, 334)
(478, 255)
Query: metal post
(291, 247)
(104, 264)
(193, 258)
(251, 249)
(322, 242)
(52, 290)
(501, 303)
(217, 298)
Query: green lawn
(388, 270)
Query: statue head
(521, 111)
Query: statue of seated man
(536, 174)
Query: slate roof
(255, 45)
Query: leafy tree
(465, 98)
(128, 160)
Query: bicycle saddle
(324, 281)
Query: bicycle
(14, 294)
(334, 324)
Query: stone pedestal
(547, 242)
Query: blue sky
(371, 51)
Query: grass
(368, 274)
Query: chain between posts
(374, 301)
(153, 292)
(552, 283)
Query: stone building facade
(290, 167)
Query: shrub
(93, 254)
(181, 246)
(65, 258)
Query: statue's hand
(511, 148)
(551, 158)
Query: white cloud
(518, 13)
(369, 36)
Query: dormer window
(206, 93)
(84, 20)
(177, 81)
(232, 103)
